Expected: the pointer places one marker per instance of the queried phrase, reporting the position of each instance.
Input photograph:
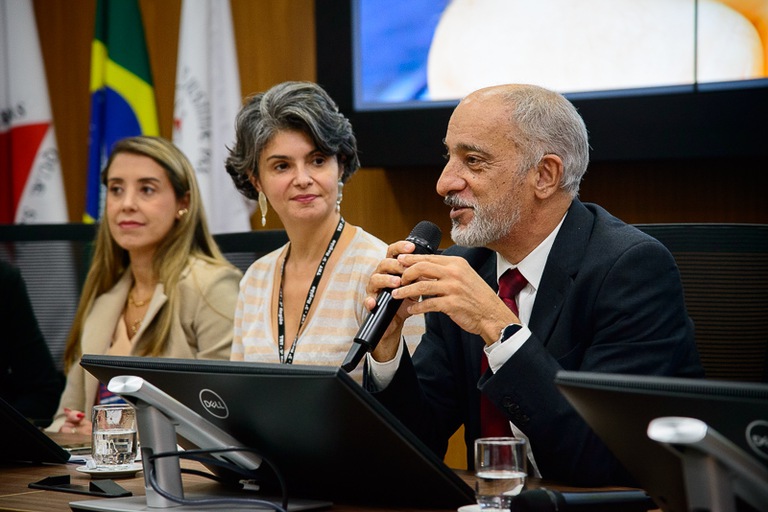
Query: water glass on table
(500, 471)
(114, 437)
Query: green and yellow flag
(122, 93)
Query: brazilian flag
(122, 93)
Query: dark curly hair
(301, 106)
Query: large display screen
(652, 78)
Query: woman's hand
(75, 423)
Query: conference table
(15, 494)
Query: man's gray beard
(488, 225)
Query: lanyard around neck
(310, 297)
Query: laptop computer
(329, 438)
(619, 409)
(21, 441)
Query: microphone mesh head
(428, 233)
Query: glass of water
(500, 471)
(114, 435)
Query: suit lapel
(484, 262)
(487, 268)
(102, 319)
(563, 264)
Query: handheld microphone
(426, 237)
(547, 500)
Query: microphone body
(426, 237)
(547, 500)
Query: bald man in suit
(598, 294)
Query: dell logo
(213, 404)
(757, 437)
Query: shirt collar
(532, 266)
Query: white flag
(206, 103)
(30, 171)
(31, 183)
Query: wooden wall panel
(161, 29)
(276, 41)
(710, 190)
(66, 32)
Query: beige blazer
(201, 330)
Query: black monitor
(619, 408)
(327, 436)
(21, 441)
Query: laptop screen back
(21, 441)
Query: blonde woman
(158, 285)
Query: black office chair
(724, 269)
(53, 260)
(242, 249)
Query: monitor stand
(715, 470)
(139, 503)
(158, 417)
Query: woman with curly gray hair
(302, 303)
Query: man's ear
(549, 175)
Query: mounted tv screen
(652, 79)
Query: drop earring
(340, 196)
(263, 208)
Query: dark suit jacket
(29, 380)
(610, 300)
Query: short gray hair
(547, 123)
(297, 106)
